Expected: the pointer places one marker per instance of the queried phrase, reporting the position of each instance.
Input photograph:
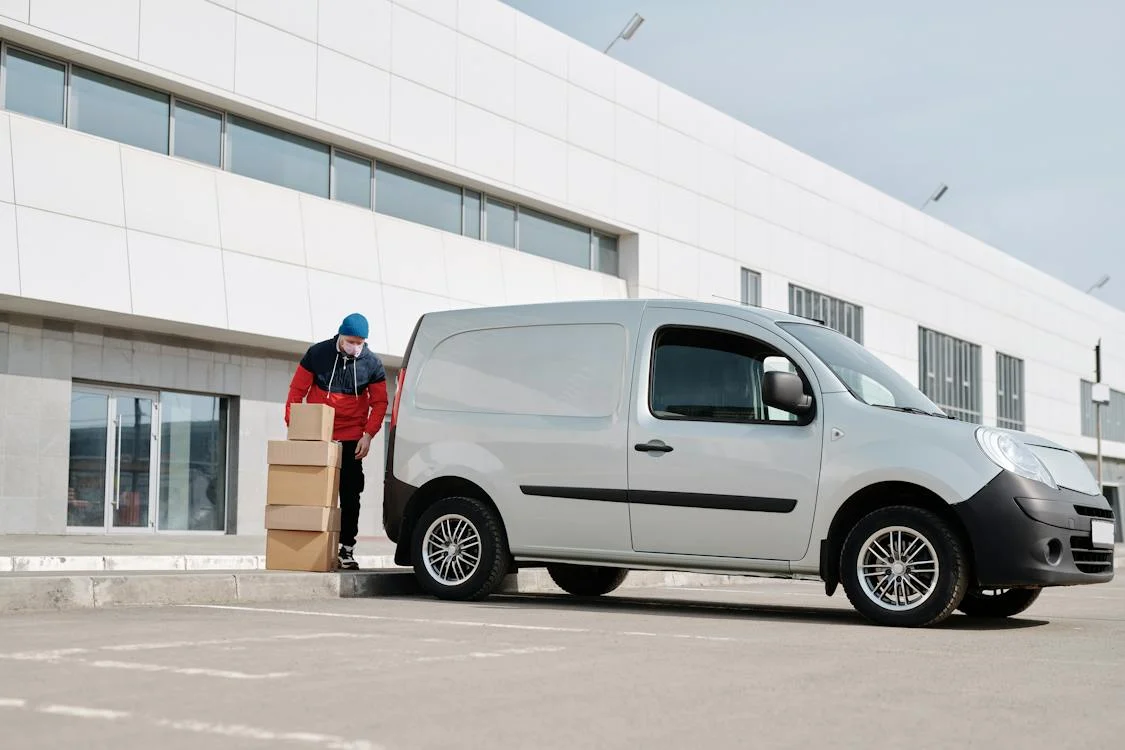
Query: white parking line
(13, 703)
(69, 656)
(80, 712)
(234, 641)
(493, 654)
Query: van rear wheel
(998, 602)
(586, 580)
(459, 549)
(903, 566)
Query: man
(343, 373)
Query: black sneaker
(347, 559)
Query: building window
(34, 86)
(416, 198)
(121, 111)
(553, 238)
(500, 222)
(845, 317)
(471, 221)
(193, 461)
(351, 179)
(1009, 392)
(949, 374)
(1113, 414)
(751, 288)
(272, 155)
(197, 134)
(609, 258)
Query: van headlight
(1008, 453)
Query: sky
(1017, 105)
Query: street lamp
(627, 32)
(1100, 283)
(936, 196)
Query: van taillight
(398, 396)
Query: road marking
(234, 641)
(80, 712)
(492, 654)
(13, 703)
(265, 735)
(69, 656)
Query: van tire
(943, 589)
(478, 526)
(1008, 603)
(586, 580)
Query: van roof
(746, 311)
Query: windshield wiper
(913, 410)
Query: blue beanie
(354, 325)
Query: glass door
(132, 448)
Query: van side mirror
(785, 391)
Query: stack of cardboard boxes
(302, 493)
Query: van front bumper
(1026, 534)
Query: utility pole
(1098, 407)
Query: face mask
(352, 350)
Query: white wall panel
(486, 77)
(590, 121)
(171, 34)
(720, 278)
(334, 296)
(716, 175)
(72, 261)
(473, 270)
(679, 159)
(7, 188)
(590, 182)
(411, 256)
(528, 279)
(592, 70)
(542, 46)
(260, 219)
(442, 11)
(486, 143)
(573, 283)
(353, 95)
(267, 298)
(679, 213)
(679, 268)
(754, 241)
(297, 17)
(679, 111)
(541, 100)
(638, 92)
(422, 120)
(275, 67)
(754, 191)
(66, 172)
(170, 197)
(638, 199)
(175, 280)
(359, 29)
(637, 141)
(753, 147)
(20, 10)
(423, 51)
(717, 227)
(540, 165)
(109, 24)
(488, 21)
(403, 309)
(9, 251)
(339, 238)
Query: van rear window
(547, 370)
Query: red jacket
(356, 387)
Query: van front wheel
(586, 580)
(459, 549)
(903, 566)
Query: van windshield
(868, 378)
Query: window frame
(333, 195)
(745, 275)
(802, 420)
(1010, 370)
(173, 101)
(944, 347)
(5, 48)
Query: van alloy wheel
(898, 568)
(451, 549)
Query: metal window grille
(1113, 414)
(751, 288)
(837, 314)
(1009, 392)
(949, 374)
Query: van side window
(714, 376)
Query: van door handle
(654, 446)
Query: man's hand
(363, 447)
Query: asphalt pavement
(762, 665)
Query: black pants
(351, 485)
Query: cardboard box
(311, 422)
(317, 486)
(302, 518)
(303, 453)
(309, 551)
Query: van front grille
(1090, 560)
(1085, 510)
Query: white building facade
(192, 192)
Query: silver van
(596, 437)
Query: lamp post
(936, 196)
(1099, 284)
(627, 32)
(1100, 395)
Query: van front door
(712, 471)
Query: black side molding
(674, 499)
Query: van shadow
(727, 610)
